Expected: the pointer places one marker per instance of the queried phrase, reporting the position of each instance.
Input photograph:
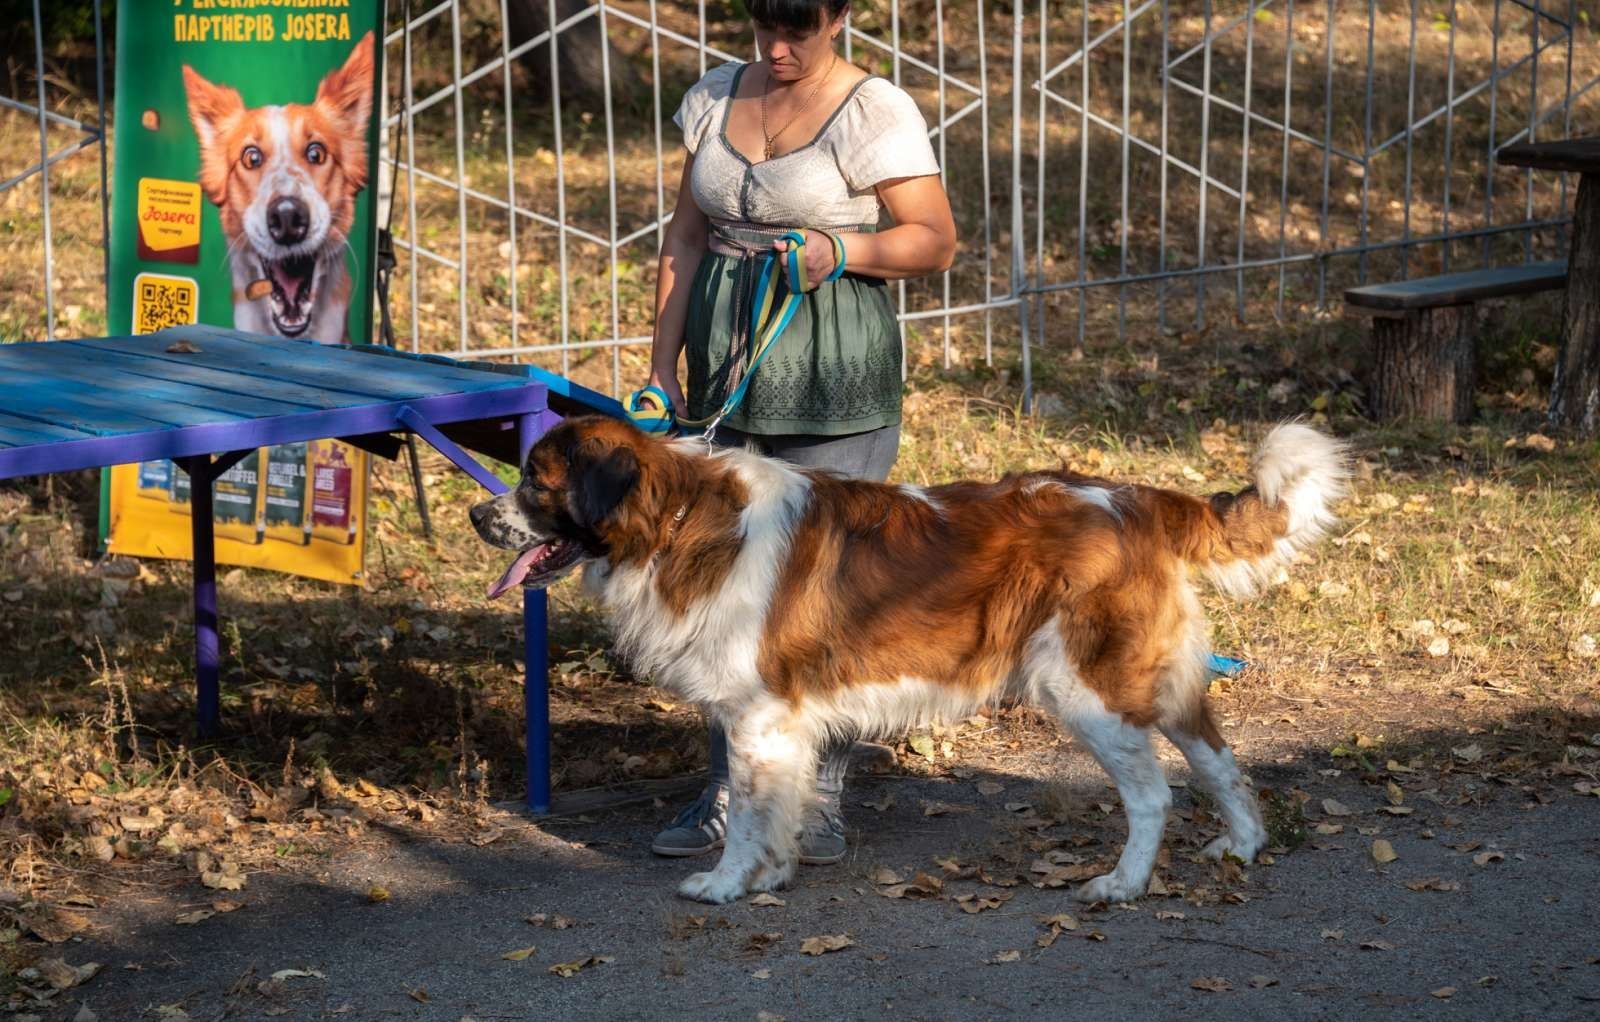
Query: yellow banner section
(297, 508)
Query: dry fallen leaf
(568, 969)
(1333, 935)
(990, 788)
(1433, 884)
(1213, 984)
(1002, 957)
(1443, 993)
(972, 904)
(1484, 858)
(61, 976)
(1376, 945)
(882, 804)
(521, 954)
(225, 905)
(377, 893)
(198, 915)
(1383, 852)
(826, 943)
(764, 900)
(218, 880)
(1262, 982)
(283, 974)
(924, 886)
(1333, 807)
(885, 875)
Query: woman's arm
(922, 240)
(681, 251)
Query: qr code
(160, 301)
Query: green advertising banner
(245, 145)
(244, 166)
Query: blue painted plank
(215, 437)
(10, 436)
(218, 380)
(91, 410)
(260, 365)
(313, 364)
(141, 391)
(29, 431)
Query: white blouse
(876, 134)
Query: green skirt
(834, 370)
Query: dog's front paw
(1243, 849)
(712, 887)
(1110, 887)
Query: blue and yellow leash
(651, 410)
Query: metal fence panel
(1116, 168)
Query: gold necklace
(766, 151)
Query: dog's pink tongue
(517, 572)
(288, 283)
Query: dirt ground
(1485, 910)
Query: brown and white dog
(284, 180)
(795, 606)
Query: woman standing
(800, 140)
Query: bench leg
(1425, 365)
(1575, 394)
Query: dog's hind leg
(772, 766)
(1197, 737)
(1124, 751)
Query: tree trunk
(1425, 364)
(579, 50)
(1575, 394)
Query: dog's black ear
(600, 481)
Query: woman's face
(793, 55)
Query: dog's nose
(478, 513)
(288, 220)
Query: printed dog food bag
(155, 479)
(288, 510)
(178, 496)
(333, 493)
(237, 507)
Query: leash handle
(650, 409)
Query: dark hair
(795, 15)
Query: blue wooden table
(206, 397)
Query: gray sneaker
(702, 826)
(822, 840)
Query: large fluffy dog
(798, 605)
(284, 180)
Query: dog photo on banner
(241, 200)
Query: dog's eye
(251, 157)
(316, 153)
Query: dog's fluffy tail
(1240, 540)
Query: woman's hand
(668, 381)
(818, 255)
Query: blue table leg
(536, 654)
(207, 658)
(536, 696)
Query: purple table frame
(62, 418)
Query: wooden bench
(1424, 335)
